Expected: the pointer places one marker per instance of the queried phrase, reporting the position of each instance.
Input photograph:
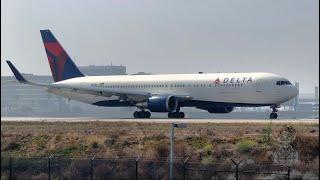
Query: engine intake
(162, 104)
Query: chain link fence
(100, 168)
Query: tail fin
(62, 67)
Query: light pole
(173, 125)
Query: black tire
(176, 115)
(142, 114)
(147, 114)
(136, 114)
(170, 115)
(273, 115)
(181, 115)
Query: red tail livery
(62, 66)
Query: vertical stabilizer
(62, 66)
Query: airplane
(167, 93)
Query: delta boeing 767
(216, 92)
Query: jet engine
(160, 104)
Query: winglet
(16, 73)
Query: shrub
(162, 150)
(245, 145)
(267, 134)
(207, 160)
(155, 137)
(12, 146)
(69, 150)
(41, 141)
(110, 142)
(307, 146)
(94, 145)
(208, 148)
(180, 149)
(197, 142)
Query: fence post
(137, 166)
(184, 168)
(49, 167)
(237, 168)
(91, 167)
(10, 167)
(237, 171)
(288, 173)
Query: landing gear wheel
(147, 114)
(170, 115)
(141, 114)
(136, 114)
(273, 115)
(181, 114)
(176, 115)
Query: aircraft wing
(126, 95)
(129, 95)
(21, 79)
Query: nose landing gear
(274, 114)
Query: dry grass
(205, 142)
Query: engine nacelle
(220, 109)
(162, 104)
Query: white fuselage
(238, 88)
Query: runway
(154, 120)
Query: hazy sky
(278, 36)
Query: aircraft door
(259, 86)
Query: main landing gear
(176, 115)
(141, 114)
(274, 114)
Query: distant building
(103, 70)
(140, 73)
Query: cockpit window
(281, 83)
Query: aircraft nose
(294, 92)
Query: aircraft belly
(86, 98)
